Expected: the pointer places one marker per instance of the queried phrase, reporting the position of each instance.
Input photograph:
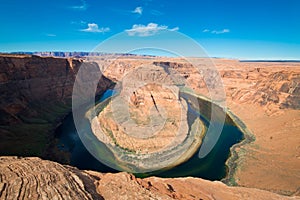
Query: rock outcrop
(266, 84)
(152, 131)
(33, 178)
(36, 94)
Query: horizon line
(136, 54)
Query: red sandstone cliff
(36, 94)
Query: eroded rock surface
(146, 125)
(33, 178)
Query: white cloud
(93, 28)
(174, 29)
(216, 31)
(220, 32)
(150, 29)
(82, 7)
(138, 10)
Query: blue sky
(245, 29)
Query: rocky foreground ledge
(34, 178)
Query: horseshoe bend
(156, 120)
(153, 126)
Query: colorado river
(211, 167)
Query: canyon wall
(36, 93)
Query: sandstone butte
(36, 93)
(154, 122)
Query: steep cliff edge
(36, 94)
(33, 178)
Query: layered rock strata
(36, 94)
(33, 178)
